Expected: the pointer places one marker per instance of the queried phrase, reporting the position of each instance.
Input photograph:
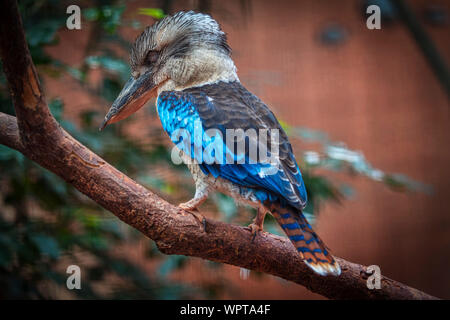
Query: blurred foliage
(46, 225)
(109, 17)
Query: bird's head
(183, 50)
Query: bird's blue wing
(187, 115)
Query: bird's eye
(152, 57)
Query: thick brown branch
(173, 230)
(33, 115)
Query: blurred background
(367, 112)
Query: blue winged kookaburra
(184, 60)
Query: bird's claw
(195, 213)
(255, 230)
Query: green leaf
(152, 12)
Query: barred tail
(308, 244)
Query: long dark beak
(133, 96)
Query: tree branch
(39, 137)
(9, 132)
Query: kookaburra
(185, 61)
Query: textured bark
(37, 135)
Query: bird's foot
(187, 206)
(255, 229)
(257, 226)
